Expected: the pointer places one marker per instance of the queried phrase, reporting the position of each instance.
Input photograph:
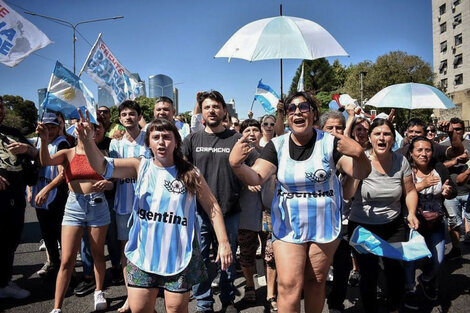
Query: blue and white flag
(365, 241)
(18, 37)
(267, 96)
(105, 69)
(66, 92)
(300, 84)
(132, 88)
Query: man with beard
(16, 171)
(209, 151)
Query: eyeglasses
(304, 107)
(103, 111)
(269, 124)
(430, 130)
(458, 128)
(236, 124)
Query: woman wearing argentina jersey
(163, 247)
(376, 206)
(306, 208)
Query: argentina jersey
(308, 195)
(46, 175)
(124, 148)
(162, 231)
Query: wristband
(109, 170)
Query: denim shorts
(86, 210)
(123, 226)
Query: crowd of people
(169, 199)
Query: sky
(180, 38)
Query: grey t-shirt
(377, 199)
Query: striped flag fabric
(267, 96)
(66, 93)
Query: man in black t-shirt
(15, 171)
(209, 150)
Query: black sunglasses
(458, 128)
(430, 130)
(304, 107)
(103, 111)
(270, 124)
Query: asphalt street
(454, 285)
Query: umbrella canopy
(411, 96)
(281, 37)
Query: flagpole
(251, 109)
(280, 13)
(89, 54)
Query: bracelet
(109, 169)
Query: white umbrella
(281, 37)
(411, 96)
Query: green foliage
(25, 110)
(318, 76)
(13, 120)
(324, 98)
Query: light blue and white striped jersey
(124, 148)
(162, 232)
(308, 197)
(46, 175)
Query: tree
(393, 68)
(25, 109)
(13, 120)
(318, 76)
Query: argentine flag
(267, 96)
(132, 89)
(66, 93)
(365, 241)
(300, 84)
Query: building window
(444, 83)
(458, 80)
(458, 40)
(455, 3)
(443, 67)
(457, 20)
(442, 9)
(458, 60)
(443, 27)
(443, 46)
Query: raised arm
(109, 168)
(279, 126)
(45, 158)
(212, 208)
(255, 175)
(354, 161)
(411, 200)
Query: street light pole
(361, 75)
(74, 26)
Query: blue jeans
(202, 292)
(436, 243)
(455, 207)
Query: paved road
(454, 295)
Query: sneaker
(13, 291)
(100, 301)
(428, 287)
(85, 287)
(454, 254)
(116, 275)
(42, 245)
(229, 308)
(56, 311)
(411, 301)
(466, 238)
(46, 269)
(215, 282)
(354, 278)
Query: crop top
(80, 168)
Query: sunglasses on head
(304, 107)
(268, 124)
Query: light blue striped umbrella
(411, 96)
